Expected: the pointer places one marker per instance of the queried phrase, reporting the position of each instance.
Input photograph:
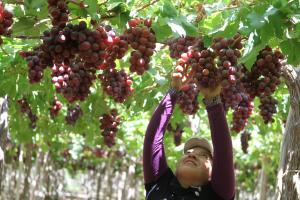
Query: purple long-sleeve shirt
(154, 160)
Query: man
(202, 173)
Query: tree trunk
(121, 184)
(4, 136)
(100, 175)
(28, 165)
(106, 187)
(288, 178)
(19, 172)
(263, 189)
(130, 193)
(46, 177)
(39, 168)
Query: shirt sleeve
(222, 180)
(154, 161)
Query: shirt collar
(178, 189)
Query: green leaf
(277, 21)
(37, 4)
(266, 32)
(112, 4)
(168, 10)
(176, 27)
(256, 20)
(92, 8)
(212, 23)
(120, 20)
(252, 49)
(77, 11)
(190, 29)
(25, 25)
(291, 49)
(161, 29)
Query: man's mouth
(190, 161)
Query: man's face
(194, 168)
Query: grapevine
(267, 108)
(188, 99)
(263, 79)
(26, 109)
(109, 127)
(56, 106)
(176, 132)
(242, 112)
(116, 84)
(178, 46)
(228, 52)
(58, 10)
(73, 114)
(245, 137)
(142, 40)
(73, 81)
(6, 20)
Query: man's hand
(209, 93)
(177, 78)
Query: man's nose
(192, 155)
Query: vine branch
(25, 37)
(147, 5)
(292, 79)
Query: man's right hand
(177, 78)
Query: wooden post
(288, 178)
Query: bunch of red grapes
(100, 153)
(74, 41)
(267, 108)
(242, 113)
(73, 114)
(265, 73)
(59, 12)
(37, 62)
(6, 20)
(204, 70)
(198, 68)
(56, 106)
(228, 52)
(245, 138)
(117, 84)
(178, 46)
(74, 80)
(109, 127)
(26, 109)
(263, 80)
(117, 46)
(188, 98)
(177, 133)
(142, 40)
(74, 52)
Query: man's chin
(191, 174)
(188, 171)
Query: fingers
(176, 75)
(179, 69)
